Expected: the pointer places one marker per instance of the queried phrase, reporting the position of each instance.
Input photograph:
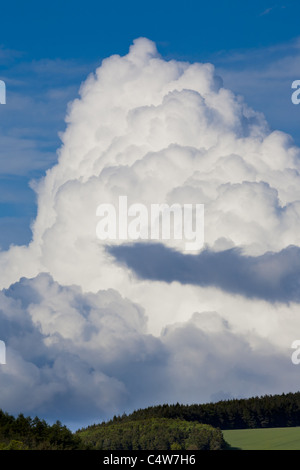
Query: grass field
(264, 439)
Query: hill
(152, 434)
(163, 427)
(268, 411)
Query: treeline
(160, 427)
(258, 412)
(25, 433)
(152, 434)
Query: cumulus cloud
(83, 356)
(190, 327)
(63, 346)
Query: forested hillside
(258, 412)
(25, 433)
(153, 434)
(163, 427)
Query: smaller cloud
(8, 56)
(267, 11)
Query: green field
(264, 439)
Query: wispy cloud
(267, 11)
(263, 77)
(38, 93)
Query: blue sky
(90, 30)
(48, 49)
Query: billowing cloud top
(159, 131)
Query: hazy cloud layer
(82, 357)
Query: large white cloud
(156, 131)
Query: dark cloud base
(274, 277)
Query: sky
(164, 101)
